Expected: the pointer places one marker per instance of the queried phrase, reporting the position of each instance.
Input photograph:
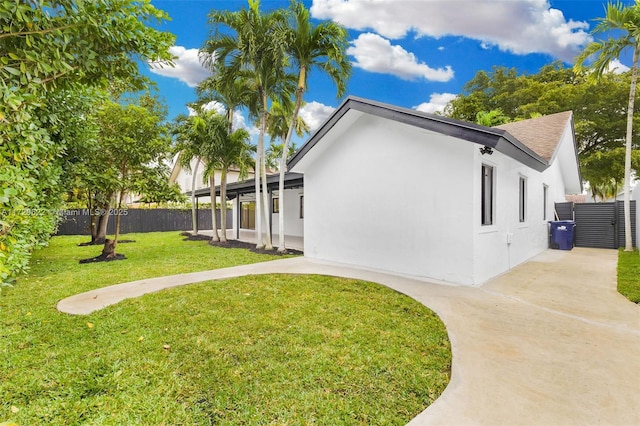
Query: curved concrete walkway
(549, 343)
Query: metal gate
(599, 225)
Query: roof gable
(542, 134)
(495, 138)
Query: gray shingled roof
(541, 134)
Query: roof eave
(497, 139)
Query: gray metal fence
(599, 225)
(77, 221)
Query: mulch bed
(237, 244)
(101, 243)
(102, 258)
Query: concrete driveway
(549, 343)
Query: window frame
(545, 201)
(487, 195)
(247, 215)
(302, 207)
(522, 199)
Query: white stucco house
(424, 195)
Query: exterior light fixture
(486, 150)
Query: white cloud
(521, 27)
(376, 54)
(214, 106)
(187, 67)
(315, 113)
(618, 67)
(437, 103)
(239, 121)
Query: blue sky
(411, 53)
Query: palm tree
(279, 120)
(200, 136)
(323, 47)
(274, 154)
(234, 151)
(187, 148)
(278, 123)
(251, 44)
(231, 90)
(624, 20)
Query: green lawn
(277, 349)
(629, 275)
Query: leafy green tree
(47, 47)
(491, 118)
(81, 157)
(599, 110)
(133, 138)
(625, 21)
(603, 167)
(553, 89)
(321, 47)
(252, 44)
(153, 186)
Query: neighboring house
(413, 193)
(579, 198)
(184, 178)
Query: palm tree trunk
(263, 172)
(283, 159)
(194, 211)
(223, 205)
(212, 194)
(256, 173)
(628, 240)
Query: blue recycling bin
(562, 232)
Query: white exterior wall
(509, 242)
(185, 177)
(294, 224)
(394, 197)
(407, 211)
